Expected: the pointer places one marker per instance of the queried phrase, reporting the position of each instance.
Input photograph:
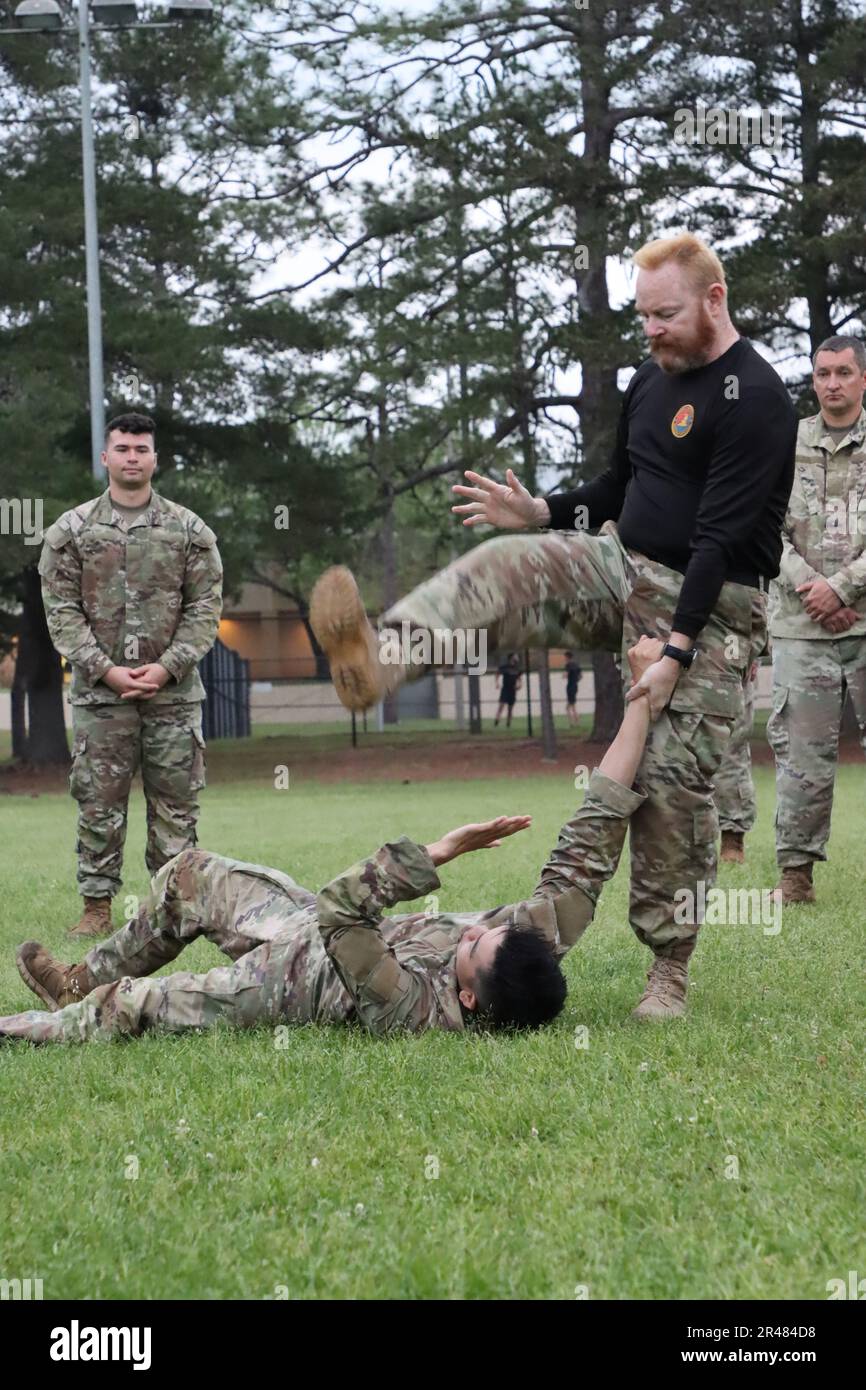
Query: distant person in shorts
(509, 671)
(572, 680)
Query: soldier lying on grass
(329, 957)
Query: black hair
(133, 423)
(524, 986)
(840, 342)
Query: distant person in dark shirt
(572, 680)
(689, 518)
(509, 672)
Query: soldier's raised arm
(585, 857)
(71, 633)
(349, 911)
(202, 604)
(588, 850)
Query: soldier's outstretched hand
(507, 504)
(481, 835)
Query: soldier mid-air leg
(506, 594)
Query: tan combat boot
(95, 920)
(796, 886)
(343, 630)
(665, 993)
(56, 984)
(732, 847)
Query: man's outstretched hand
(483, 835)
(507, 505)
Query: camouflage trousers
(238, 907)
(572, 590)
(733, 787)
(110, 743)
(809, 681)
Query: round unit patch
(683, 421)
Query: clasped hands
(136, 682)
(824, 605)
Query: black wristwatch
(684, 658)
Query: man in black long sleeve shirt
(695, 480)
(690, 514)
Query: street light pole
(91, 251)
(46, 16)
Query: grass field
(312, 1171)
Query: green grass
(622, 1187)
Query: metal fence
(226, 679)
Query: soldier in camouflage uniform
(329, 957)
(132, 586)
(818, 613)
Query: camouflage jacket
(825, 528)
(126, 596)
(401, 973)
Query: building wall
(265, 627)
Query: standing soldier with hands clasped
(132, 586)
(818, 614)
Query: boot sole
(343, 631)
(30, 980)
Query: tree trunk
(600, 401)
(609, 703)
(323, 672)
(548, 731)
(18, 704)
(39, 673)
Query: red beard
(685, 354)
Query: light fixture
(113, 11)
(190, 9)
(38, 14)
